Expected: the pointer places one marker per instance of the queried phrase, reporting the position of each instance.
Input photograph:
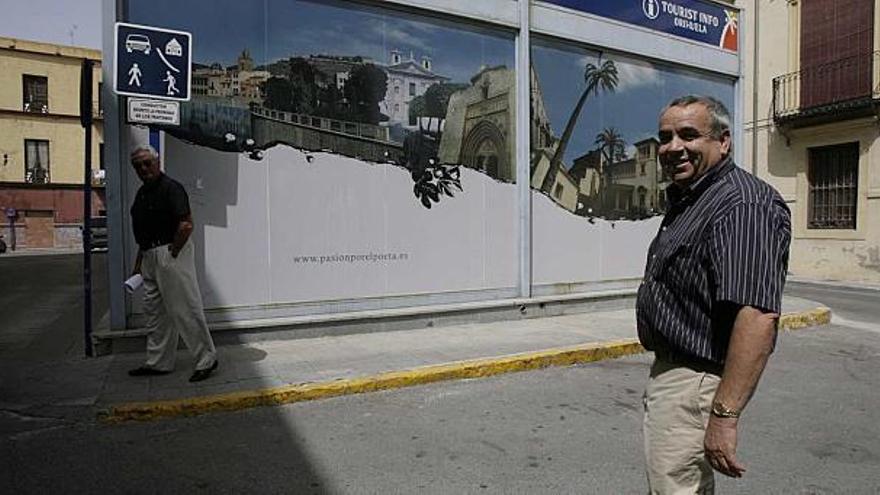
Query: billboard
(695, 20)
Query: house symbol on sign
(173, 48)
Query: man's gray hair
(717, 111)
(148, 149)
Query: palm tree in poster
(602, 77)
(610, 143)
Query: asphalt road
(847, 303)
(810, 429)
(41, 304)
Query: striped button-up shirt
(723, 244)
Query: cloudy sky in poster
(277, 29)
(644, 88)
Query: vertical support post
(523, 153)
(756, 64)
(116, 167)
(85, 116)
(156, 142)
(739, 107)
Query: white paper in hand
(133, 283)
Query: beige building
(811, 127)
(42, 141)
(241, 82)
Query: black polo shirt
(723, 244)
(157, 211)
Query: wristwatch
(719, 410)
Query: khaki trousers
(173, 306)
(678, 401)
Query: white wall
(254, 218)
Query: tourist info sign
(698, 20)
(152, 62)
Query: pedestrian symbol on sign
(135, 75)
(172, 89)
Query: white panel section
(625, 247)
(569, 249)
(615, 35)
(504, 12)
(255, 218)
(337, 206)
(231, 226)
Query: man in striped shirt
(710, 299)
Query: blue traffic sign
(152, 62)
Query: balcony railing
(35, 107)
(833, 89)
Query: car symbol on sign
(137, 42)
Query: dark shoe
(147, 371)
(200, 375)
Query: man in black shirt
(162, 224)
(710, 299)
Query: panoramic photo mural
(594, 128)
(338, 77)
(355, 151)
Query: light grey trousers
(173, 306)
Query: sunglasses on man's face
(142, 163)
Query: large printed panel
(361, 151)
(597, 186)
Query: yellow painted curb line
(804, 319)
(474, 368)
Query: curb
(473, 368)
(804, 319)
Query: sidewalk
(40, 251)
(848, 284)
(274, 372)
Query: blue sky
(66, 22)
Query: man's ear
(725, 142)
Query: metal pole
(85, 94)
(523, 129)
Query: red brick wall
(65, 203)
(40, 209)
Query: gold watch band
(721, 411)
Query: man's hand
(720, 446)
(137, 263)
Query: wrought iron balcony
(843, 89)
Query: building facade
(814, 89)
(407, 80)
(470, 195)
(42, 143)
(241, 82)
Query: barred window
(833, 174)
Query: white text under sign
(141, 111)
